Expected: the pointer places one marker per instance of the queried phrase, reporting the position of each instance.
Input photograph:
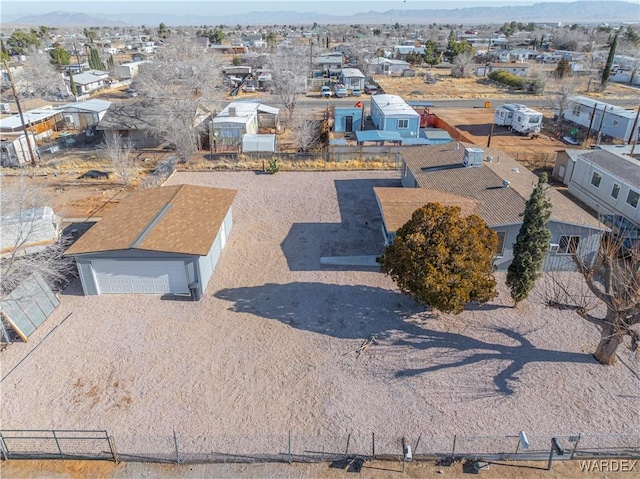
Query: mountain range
(605, 11)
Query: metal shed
(156, 241)
(259, 143)
(348, 119)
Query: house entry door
(348, 123)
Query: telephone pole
(24, 124)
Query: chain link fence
(180, 448)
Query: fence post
(373, 446)
(57, 443)
(347, 448)
(3, 448)
(289, 447)
(112, 446)
(175, 443)
(453, 451)
(415, 448)
(575, 446)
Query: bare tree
(615, 280)
(562, 90)
(118, 151)
(40, 78)
(306, 133)
(27, 250)
(176, 84)
(462, 65)
(289, 69)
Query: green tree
(607, 68)
(442, 259)
(72, 84)
(163, 31)
(532, 243)
(431, 53)
(20, 41)
(95, 63)
(4, 52)
(60, 56)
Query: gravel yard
(269, 348)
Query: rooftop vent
(473, 157)
(506, 183)
(232, 111)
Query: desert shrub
(507, 78)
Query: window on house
(632, 198)
(596, 179)
(403, 124)
(576, 110)
(568, 244)
(501, 237)
(615, 191)
(615, 122)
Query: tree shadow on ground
(356, 312)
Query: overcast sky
(208, 7)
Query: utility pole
(633, 128)
(24, 125)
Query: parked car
(356, 91)
(370, 89)
(325, 91)
(340, 90)
(250, 88)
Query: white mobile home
(240, 118)
(392, 113)
(608, 119)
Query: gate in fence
(57, 444)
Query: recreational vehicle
(518, 118)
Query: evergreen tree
(94, 60)
(72, 84)
(532, 243)
(607, 68)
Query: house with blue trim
(392, 113)
(348, 119)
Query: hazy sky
(25, 7)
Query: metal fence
(57, 444)
(291, 447)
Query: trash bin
(194, 290)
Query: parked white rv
(518, 118)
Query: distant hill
(582, 11)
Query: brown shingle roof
(173, 219)
(439, 167)
(398, 204)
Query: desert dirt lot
(269, 348)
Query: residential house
(164, 240)
(489, 183)
(352, 78)
(400, 52)
(84, 114)
(88, 81)
(129, 70)
(29, 231)
(519, 69)
(387, 66)
(329, 64)
(42, 122)
(240, 118)
(606, 179)
(608, 119)
(392, 113)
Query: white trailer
(526, 121)
(518, 118)
(504, 114)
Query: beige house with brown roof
(489, 183)
(163, 240)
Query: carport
(156, 241)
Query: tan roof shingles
(398, 204)
(498, 205)
(181, 219)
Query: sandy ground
(269, 349)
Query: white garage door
(156, 277)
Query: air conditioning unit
(553, 248)
(4, 108)
(69, 119)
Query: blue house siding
(391, 113)
(340, 119)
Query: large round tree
(442, 259)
